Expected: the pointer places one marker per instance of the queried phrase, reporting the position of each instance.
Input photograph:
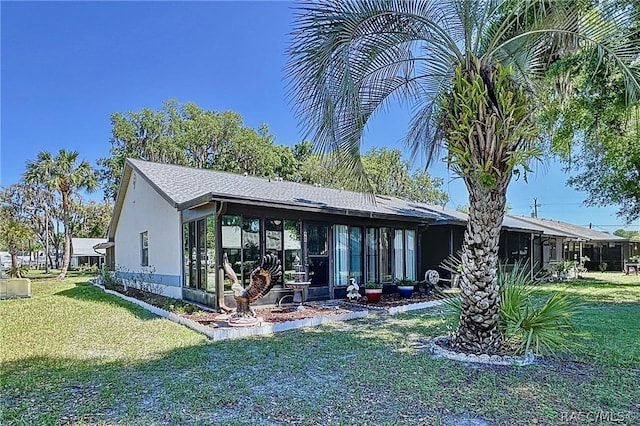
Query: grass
(75, 355)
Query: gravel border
(514, 360)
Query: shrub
(527, 322)
(530, 323)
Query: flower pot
(373, 294)
(406, 291)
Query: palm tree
(61, 174)
(471, 70)
(13, 233)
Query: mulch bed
(272, 314)
(394, 299)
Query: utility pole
(535, 208)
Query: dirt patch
(291, 313)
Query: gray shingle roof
(84, 246)
(573, 230)
(509, 222)
(186, 186)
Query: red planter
(373, 294)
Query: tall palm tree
(63, 175)
(471, 71)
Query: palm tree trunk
(477, 330)
(15, 267)
(66, 257)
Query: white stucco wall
(144, 209)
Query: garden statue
(262, 280)
(353, 291)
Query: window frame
(144, 248)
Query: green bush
(527, 322)
(530, 323)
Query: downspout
(220, 285)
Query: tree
(632, 235)
(608, 164)
(33, 205)
(13, 233)
(62, 175)
(385, 170)
(187, 135)
(470, 70)
(90, 220)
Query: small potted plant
(405, 287)
(373, 291)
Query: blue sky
(66, 66)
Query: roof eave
(211, 197)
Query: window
(198, 238)
(250, 247)
(231, 246)
(292, 246)
(355, 253)
(514, 247)
(386, 250)
(341, 255)
(144, 249)
(410, 254)
(389, 254)
(398, 254)
(347, 249)
(317, 243)
(371, 254)
(274, 240)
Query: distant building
(83, 253)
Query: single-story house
(83, 252)
(599, 247)
(519, 240)
(172, 225)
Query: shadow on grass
(91, 293)
(300, 377)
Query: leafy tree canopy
(385, 170)
(591, 127)
(188, 135)
(633, 235)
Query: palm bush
(526, 322)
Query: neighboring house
(83, 252)
(172, 225)
(5, 259)
(519, 240)
(599, 247)
(539, 241)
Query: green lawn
(74, 355)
